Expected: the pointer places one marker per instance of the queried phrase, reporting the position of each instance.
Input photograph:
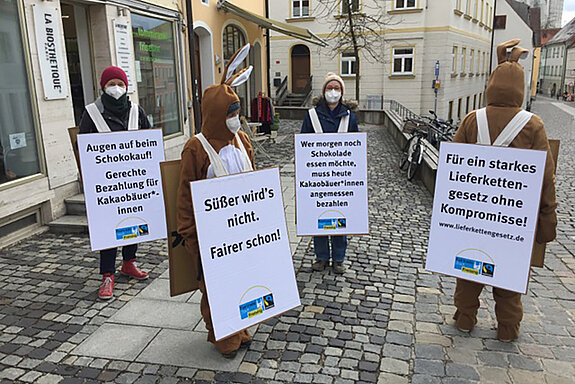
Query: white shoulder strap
(245, 158)
(512, 129)
(482, 127)
(97, 118)
(215, 160)
(133, 120)
(315, 120)
(344, 123)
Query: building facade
(417, 35)
(51, 56)
(218, 34)
(551, 11)
(552, 71)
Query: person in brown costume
(219, 150)
(504, 96)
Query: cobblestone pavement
(385, 320)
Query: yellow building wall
(218, 20)
(536, 64)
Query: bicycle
(412, 154)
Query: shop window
(233, 40)
(403, 61)
(156, 74)
(348, 67)
(18, 146)
(300, 8)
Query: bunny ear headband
(515, 54)
(242, 76)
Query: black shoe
(338, 268)
(230, 355)
(319, 265)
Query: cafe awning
(264, 22)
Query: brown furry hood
(506, 85)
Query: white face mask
(332, 96)
(234, 124)
(116, 91)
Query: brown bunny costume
(195, 162)
(504, 95)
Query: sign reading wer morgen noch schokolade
(331, 184)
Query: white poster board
(331, 184)
(125, 51)
(122, 186)
(47, 25)
(485, 211)
(244, 247)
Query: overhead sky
(568, 11)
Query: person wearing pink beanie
(115, 107)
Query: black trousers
(108, 257)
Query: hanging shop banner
(124, 51)
(485, 211)
(122, 187)
(244, 247)
(47, 23)
(331, 184)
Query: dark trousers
(338, 246)
(108, 257)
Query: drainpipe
(192, 49)
(492, 36)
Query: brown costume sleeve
(189, 172)
(468, 124)
(547, 223)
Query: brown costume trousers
(228, 344)
(508, 308)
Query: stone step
(76, 205)
(69, 224)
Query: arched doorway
(300, 68)
(232, 40)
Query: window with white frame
(405, 4)
(471, 60)
(300, 8)
(479, 57)
(468, 7)
(463, 59)
(475, 9)
(458, 5)
(403, 61)
(482, 11)
(348, 66)
(454, 59)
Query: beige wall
(216, 21)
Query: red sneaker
(106, 291)
(129, 268)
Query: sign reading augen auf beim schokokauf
(122, 186)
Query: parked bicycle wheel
(416, 157)
(405, 154)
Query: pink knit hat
(113, 73)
